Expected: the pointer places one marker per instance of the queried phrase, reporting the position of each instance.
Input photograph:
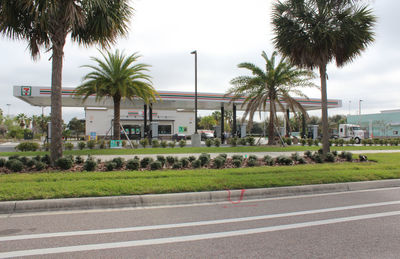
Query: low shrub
(217, 142)
(14, 165)
(79, 160)
(164, 144)
(317, 158)
(185, 162)
(119, 162)
(123, 143)
(68, 146)
(316, 142)
(81, 145)
(161, 159)
(191, 158)
(329, 157)
(288, 141)
(204, 158)
(303, 142)
(27, 146)
(284, 160)
(171, 144)
(64, 163)
(110, 165)
(2, 162)
(182, 143)
(268, 160)
(196, 163)
(89, 165)
(133, 164)
(91, 144)
(23, 159)
(237, 162)
(335, 153)
(103, 145)
(243, 141)
(209, 142)
(170, 160)
(177, 165)
(349, 156)
(45, 159)
(253, 157)
(251, 162)
(352, 141)
(308, 154)
(251, 141)
(218, 162)
(340, 142)
(155, 143)
(233, 141)
(237, 157)
(295, 156)
(144, 142)
(145, 162)
(301, 160)
(156, 165)
(39, 166)
(310, 142)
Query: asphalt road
(359, 224)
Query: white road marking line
(168, 240)
(33, 214)
(191, 224)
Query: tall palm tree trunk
(271, 137)
(324, 100)
(117, 107)
(56, 105)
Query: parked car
(178, 136)
(206, 135)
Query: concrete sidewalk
(227, 196)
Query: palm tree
(117, 77)
(21, 119)
(274, 85)
(311, 33)
(47, 23)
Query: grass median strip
(191, 150)
(94, 184)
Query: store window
(164, 129)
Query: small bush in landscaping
(340, 142)
(119, 162)
(81, 145)
(303, 142)
(79, 160)
(253, 157)
(251, 162)
(177, 165)
(123, 143)
(316, 142)
(171, 144)
(352, 141)
(217, 142)
(251, 141)
(133, 164)
(170, 160)
(145, 162)
(89, 165)
(196, 163)
(218, 162)
(23, 159)
(237, 157)
(68, 146)
(301, 160)
(284, 160)
(46, 159)
(310, 142)
(2, 162)
(233, 141)
(161, 159)
(204, 158)
(317, 158)
(308, 154)
(288, 141)
(349, 156)
(91, 144)
(209, 142)
(39, 166)
(237, 162)
(103, 145)
(14, 165)
(243, 142)
(37, 158)
(182, 143)
(192, 158)
(268, 160)
(110, 166)
(295, 156)
(185, 162)
(329, 157)
(144, 142)
(27, 146)
(164, 144)
(155, 143)
(156, 165)
(64, 163)
(335, 153)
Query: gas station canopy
(168, 100)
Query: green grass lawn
(90, 184)
(187, 150)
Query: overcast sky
(224, 33)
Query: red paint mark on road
(240, 199)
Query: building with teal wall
(383, 124)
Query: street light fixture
(195, 90)
(359, 107)
(8, 112)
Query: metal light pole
(359, 107)
(195, 90)
(8, 110)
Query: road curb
(149, 200)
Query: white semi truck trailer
(351, 131)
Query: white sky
(224, 33)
